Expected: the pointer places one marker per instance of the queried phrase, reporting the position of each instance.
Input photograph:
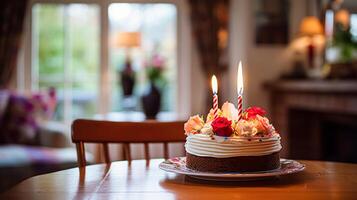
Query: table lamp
(310, 27)
(128, 40)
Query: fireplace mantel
(321, 96)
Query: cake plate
(178, 165)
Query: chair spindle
(147, 153)
(166, 150)
(127, 152)
(81, 156)
(106, 153)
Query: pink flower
(157, 61)
(194, 125)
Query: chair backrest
(104, 132)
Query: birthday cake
(228, 142)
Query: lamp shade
(343, 17)
(128, 39)
(311, 26)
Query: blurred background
(136, 60)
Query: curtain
(12, 15)
(209, 21)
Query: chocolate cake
(227, 144)
(233, 164)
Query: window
(354, 27)
(341, 47)
(156, 23)
(65, 55)
(69, 46)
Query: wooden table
(320, 180)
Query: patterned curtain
(210, 29)
(12, 15)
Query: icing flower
(248, 128)
(210, 116)
(258, 126)
(229, 111)
(252, 124)
(222, 127)
(245, 128)
(207, 129)
(268, 128)
(194, 125)
(252, 112)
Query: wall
(260, 64)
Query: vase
(127, 79)
(128, 83)
(152, 101)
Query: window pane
(83, 27)
(66, 56)
(48, 50)
(156, 23)
(354, 27)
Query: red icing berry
(252, 112)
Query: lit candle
(240, 90)
(215, 96)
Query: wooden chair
(104, 132)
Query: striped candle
(240, 90)
(215, 105)
(215, 96)
(240, 107)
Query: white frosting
(221, 147)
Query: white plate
(178, 165)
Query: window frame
(25, 73)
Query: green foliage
(154, 74)
(49, 23)
(343, 39)
(155, 69)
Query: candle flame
(214, 84)
(240, 79)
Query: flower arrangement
(252, 124)
(155, 68)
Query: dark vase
(128, 83)
(127, 79)
(152, 101)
